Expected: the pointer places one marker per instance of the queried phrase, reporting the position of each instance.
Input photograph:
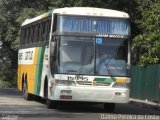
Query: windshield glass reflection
(92, 56)
(76, 55)
(111, 57)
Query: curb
(145, 104)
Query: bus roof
(83, 11)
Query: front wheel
(109, 107)
(49, 103)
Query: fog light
(118, 93)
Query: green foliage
(147, 44)
(8, 78)
(7, 84)
(12, 14)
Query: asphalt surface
(14, 107)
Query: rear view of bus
(86, 59)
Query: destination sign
(112, 36)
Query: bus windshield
(75, 53)
(92, 56)
(111, 56)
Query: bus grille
(90, 83)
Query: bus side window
(40, 34)
(33, 29)
(47, 30)
(43, 31)
(54, 23)
(27, 36)
(31, 34)
(22, 36)
(36, 34)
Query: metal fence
(145, 82)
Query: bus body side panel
(27, 67)
(30, 66)
(38, 74)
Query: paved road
(13, 107)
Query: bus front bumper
(90, 94)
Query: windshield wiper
(108, 68)
(107, 65)
(83, 65)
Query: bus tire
(27, 96)
(109, 107)
(49, 103)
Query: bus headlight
(65, 82)
(121, 83)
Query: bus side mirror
(128, 69)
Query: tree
(8, 33)
(147, 44)
(12, 14)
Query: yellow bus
(76, 54)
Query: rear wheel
(26, 95)
(109, 107)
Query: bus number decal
(26, 56)
(78, 78)
(29, 55)
(20, 56)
